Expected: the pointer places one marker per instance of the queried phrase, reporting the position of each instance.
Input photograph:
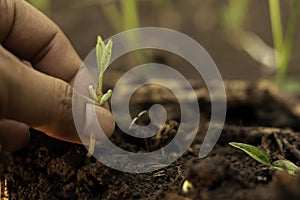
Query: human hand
(39, 96)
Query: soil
(258, 114)
(51, 169)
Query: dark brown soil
(51, 169)
(258, 114)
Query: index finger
(31, 36)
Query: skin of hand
(39, 96)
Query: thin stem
(100, 86)
(275, 15)
(130, 14)
(289, 40)
(276, 23)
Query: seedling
(103, 56)
(134, 122)
(265, 159)
(137, 118)
(283, 42)
(283, 38)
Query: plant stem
(275, 15)
(234, 14)
(288, 41)
(130, 14)
(100, 86)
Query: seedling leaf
(254, 152)
(99, 51)
(93, 93)
(105, 97)
(286, 164)
(106, 55)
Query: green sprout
(137, 118)
(134, 121)
(283, 42)
(233, 17)
(265, 159)
(103, 56)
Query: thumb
(43, 102)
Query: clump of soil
(258, 114)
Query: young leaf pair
(264, 158)
(103, 55)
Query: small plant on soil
(103, 56)
(265, 159)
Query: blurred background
(236, 33)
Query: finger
(43, 102)
(13, 135)
(31, 36)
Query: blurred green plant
(234, 14)
(125, 18)
(265, 159)
(233, 17)
(42, 5)
(283, 43)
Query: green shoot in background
(265, 159)
(234, 16)
(283, 42)
(125, 17)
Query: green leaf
(286, 164)
(99, 51)
(254, 152)
(105, 97)
(93, 93)
(106, 56)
